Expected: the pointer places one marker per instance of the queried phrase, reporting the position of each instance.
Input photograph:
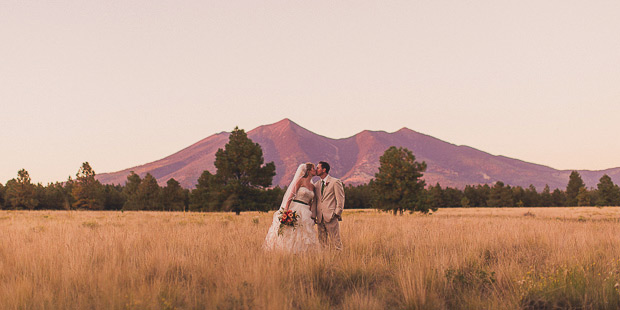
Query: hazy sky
(123, 83)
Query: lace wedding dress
(303, 237)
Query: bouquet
(287, 218)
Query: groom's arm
(339, 191)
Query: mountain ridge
(355, 159)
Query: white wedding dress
(301, 238)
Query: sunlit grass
(534, 258)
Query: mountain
(356, 159)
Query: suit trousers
(329, 233)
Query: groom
(327, 207)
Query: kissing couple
(320, 203)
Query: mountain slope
(356, 159)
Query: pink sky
(122, 83)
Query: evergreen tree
(54, 197)
(465, 203)
(10, 190)
(435, 197)
(500, 196)
(2, 195)
(273, 197)
(69, 190)
(470, 193)
(130, 192)
(205, 197)
(114, 199)
(87, 191)
(242, 175)
(608, 192)
(398, 185)
(477, 195)
(132, 184)
(148, 194)
(583, 198)
(173, 196)
(358, 197)
(575, 184)
(531, 198)
(186, 193)
(518, 196)
(452, 197)
(545, 197)
(593, 196)
(559, 198)
(21, 193)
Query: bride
(298, 197)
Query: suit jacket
(331, 202)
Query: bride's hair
(309, 167)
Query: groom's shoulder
(338, 181)
(332, 179)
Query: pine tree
(518, 196)
(435, 197)
(545, 197)
(608, 192)
(452, 197)
(69, 190)
(54, 197)
(173, 196)
(133, 181)
(2, 196)
(531, 197)
(130, 192)
(241, 162)
(500, 196)
(358, 197)
(477, 195)
(114, 199)
(575, 183)
(87, 191)
(559, 198)
(583, 198)
(241, 174)
(465, 203)
(21, 193)
(148, 194)
(205, 197)
(398, 185)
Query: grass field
(528, 258)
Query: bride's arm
(292, 195)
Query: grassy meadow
(513, 258)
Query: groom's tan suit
(327, 210)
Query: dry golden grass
(454, 259)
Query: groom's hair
(325, 166)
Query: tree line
(399, 187)
(242, 182)
(606, 193)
